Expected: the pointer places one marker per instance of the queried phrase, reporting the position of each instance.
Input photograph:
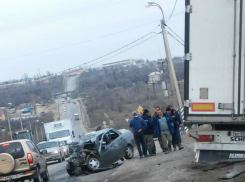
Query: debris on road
(235, 171)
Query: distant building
(74, 72)
(139, 63)
(155, 77)
(124, 63)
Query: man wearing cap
(99, 127)
(165, 129)
(148, 131)
(138, 124)
(176, 137)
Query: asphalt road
(71, 83)
(57, 171)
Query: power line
(92, 7)
(174, 33)
(175, 38)
(172, 11)
(115, 50)
(77, 43)
(88, 62)
(126, 49)
(43, 80)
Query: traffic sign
(140, 109)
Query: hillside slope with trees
(111, 94)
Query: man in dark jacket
(148, 131)
(176, 137)
(138, 125)
(165, 129)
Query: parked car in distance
(76, 116)
(21, 160)
(101, 149)
(65, 148)
(55, 151)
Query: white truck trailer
(215, 77)
(60, 130)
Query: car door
(42, 159)
(108, 153)
(119, 141)
(37, 157)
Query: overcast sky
(53, 35)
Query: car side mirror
(44, 151)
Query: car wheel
(129, 152)
(93, 163)
(69, 169)
(68, 155)
(60, 159)
(38, 176)
(46, 177)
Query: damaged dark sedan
(99, 150)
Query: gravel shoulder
(178, 166)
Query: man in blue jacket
(176, 137)
(165, 129)
(138, 125)
(148, 131)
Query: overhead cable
(172, 11)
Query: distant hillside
(30, 93)
(111, 94)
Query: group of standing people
(165, 124)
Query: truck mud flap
(207, 156)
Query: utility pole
(58, 112)
(29, 123)
(42, 133)
(177, 102)
(10, 130)
(21, 124)
(148, 91)
(153, 86)
(37, 133)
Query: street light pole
(36, 131)
(42, 131)
(10, 130)
(177, 101)
(21, 124)
(37, 134)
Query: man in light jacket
(165, 129)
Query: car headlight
(64, 150)
(56, 151)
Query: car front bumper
(52, 157)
